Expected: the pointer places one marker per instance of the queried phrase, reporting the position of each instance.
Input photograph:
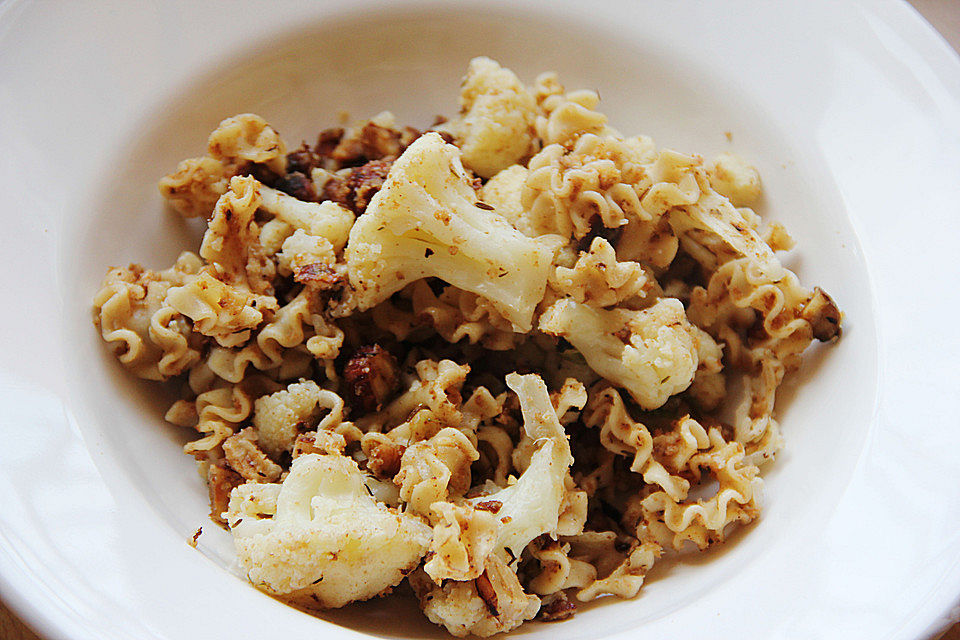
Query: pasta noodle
(495, 360)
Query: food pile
(487, 363)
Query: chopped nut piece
(372, 142)
(327, 141)
(220, 482)
(493, 506)
(303, 160)
(298, 185)
(557, 608)
(384, 457)
(355, 190)
(371, 377)
(319, 275)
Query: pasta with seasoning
(493, 361)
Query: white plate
(851, 111)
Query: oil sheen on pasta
(490, 359)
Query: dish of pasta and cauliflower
(487, 364)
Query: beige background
(943, 14)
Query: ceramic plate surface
(851, 111)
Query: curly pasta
(558, 571)
(621, 435)
(601, 177)
(626, 578)
(598, 279)
(563, 116)
(219, 311)
(703, 522)
(216, 414)
(458, 315)
(148, 336)
(511, 362)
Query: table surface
(942, 14)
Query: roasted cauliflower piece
(327, 219)
(651, 353)
(248, 138)
(532, 505)
(281, 416)
(734, 178)
(425, 221)
(503, 192)
(320, 538)
(496, 128)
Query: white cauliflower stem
(322, 535)
(650, 353)
(425, 222)
(532, 505)
(326, 220)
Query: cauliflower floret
(532, 506)
(327, 219)
(503, 191)
(496, 128)
(302, 249)
(493, 603)
(424, 222)
(732, 177)
(650, 353)
(279, 415)
(248, 138)
(321, 535)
